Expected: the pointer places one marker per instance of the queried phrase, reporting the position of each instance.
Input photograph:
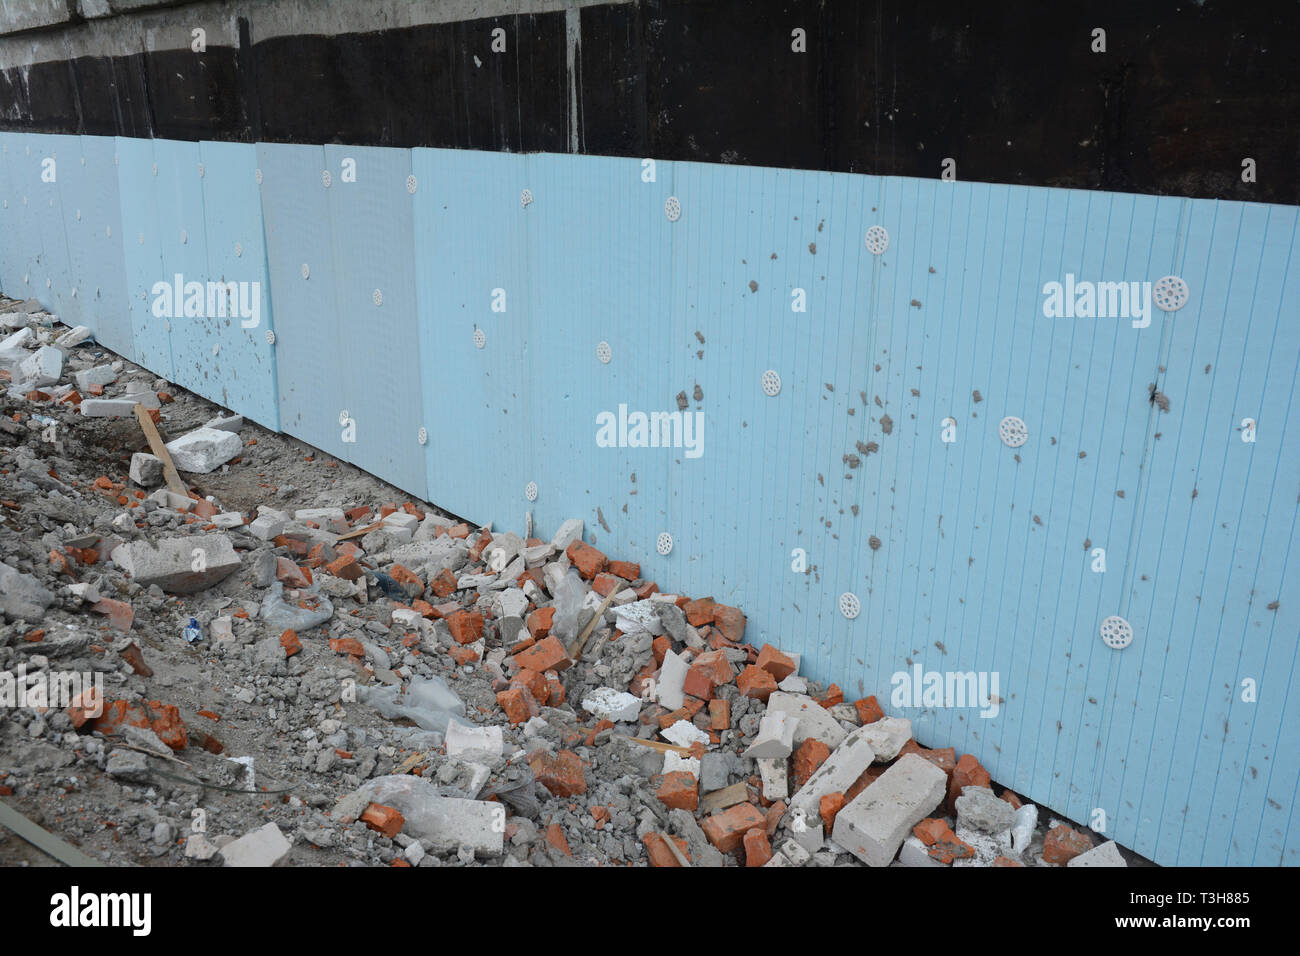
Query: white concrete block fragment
(887, 736)
(464, 738)
(203, 450)
(1105, 855)
(99, 375)
(675, 761)
(228, 519)
(794, 684)
(672, 679)
(73, 337)
(178, 565)
(18, 340)
(807, 831)
(775, 737)
(775, 776)
(321, 516)
(1022, 829)
(916, 853)
(107, 407)
(684, 733)
(606, 703)
(838, 772)
(639, 617)
(795, 853)
(814, 721)
(874, 824)
(266, 527)
(265, 846)
(146, 470)
(569, 532)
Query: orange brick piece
(546, 655)
(385, 820)
(730, 621)
(540, 621)
(466, 626)
(968, 773)
(808, 756)
(625, 570)
(1062, 844)
(757, 849)
(727, 829)
(560, 773)
(586, 559)
(679, 791)
(830, 805)
(289, 641)
(756, 682)
(779, 665)
(656, 846)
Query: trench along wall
(963, 556)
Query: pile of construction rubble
(298, 665)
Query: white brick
(266, 846)
(107, 407)
(814, 721)
(1105, 855)
(463, 738)
(569, 532)
(838, 772)
(672, 679)
(887, 736)
(203, 450)
(875, 823)
(171, 564)
(321, 516)
(606, 703)
(775, 777)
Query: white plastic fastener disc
(850, 606)
(422, 436)
(343, 417)
(604, 352)
(306, 273)
(1116, 632)
(1170, 293)
(202, 171)
(258, 177)
(672, 209)
(1013, 432)
(526, 198)
(270, 337)
(377, 297)
(412, 184)
(771, 382)
(530, 491)
(480, 339)
(239, 249)
(325, 178)
(664, 543)
(877, 240)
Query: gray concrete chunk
(814, 721)
(204, 450)
(838, 772)
(265, 846)
(179, 565)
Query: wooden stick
(580, 642)
(655, 745)
(160, 451)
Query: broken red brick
(88, 705)
(547, 654)
(757, 848)
(586, 559)
(657, 849)
(290, 573)
(730, 621)
(517, 703)
(134, 657)
(1062, 844)
(534, 682)
(405, 576)
(832, 697)
(541, 621)
(462, 655)
(289, 641)
(555, 837)
(727, 829)
(1006, 861)
(554, 690)
(484, 539)
(930, 831)
(829, 807)
(868, 710)
(945, 759)
(756, 682)
(967, 773)
(625, 570)
(773, 817)
(719, 714)
(700, 612)
(444, 585)
(383, 819)
(779, 665)
(808, 756)
(949, 847)
(606, 583)
(679, 791)
(466, 626)
(560, 773)
(644, 591)
(1011, 798)
(119, 613)
(347, 645)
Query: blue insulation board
(520, 313)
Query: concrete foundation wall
(427, 292)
